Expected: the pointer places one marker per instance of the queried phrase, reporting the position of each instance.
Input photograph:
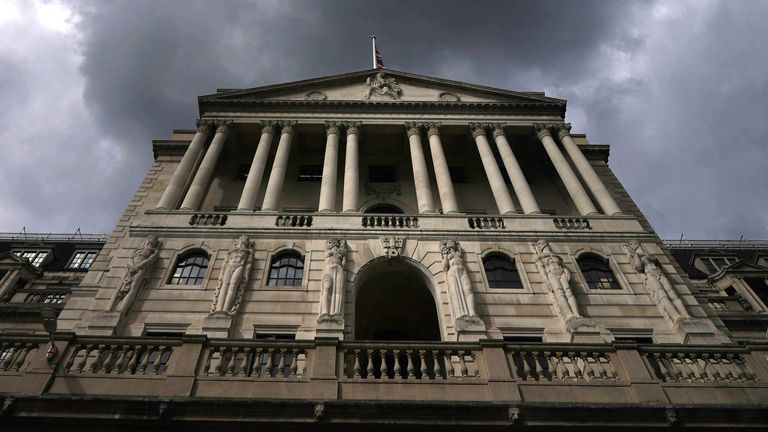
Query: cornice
(596, 151)
(169, 147)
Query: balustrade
(266, 361)
(409, 362)
(546, 365)
(382, 221)
(486, 223)
(208, 219)
(119, 359)
(699, 366)
(296, 221)
(572, 223)
(13, 355)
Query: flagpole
(373, 49)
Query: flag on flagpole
(378, 63)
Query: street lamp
(49, 323)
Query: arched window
(287, 269)
(597, 272)
(190, 269)
(501, 272)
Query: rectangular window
(310, 173)
(381, 174)
(759, 286)
(82, 260)
(457, 174)
(35, 257)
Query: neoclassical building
(382, 250)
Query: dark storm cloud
(670, 86)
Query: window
(310, 173)
(597, 272)
(715, 264)
(82, 260)
(191, 269)
(759, 286)
(381, 174)
(457, 174)
(287, 269)
(36, 257)
(501, 272)
(55, 298)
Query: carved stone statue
(382, 85)
(557, 279)
(234, 277)
(393, 246)
(657, 283)
(459, 286)
(143, 258)
(332, 293)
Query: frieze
(383, 191)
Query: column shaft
(330, 167)
(516, 176)
(351, 196)
(498, 187)
(279, 167)
(575, 189)
(256, 172)
(600, 192)
(202, 178)
(420, 173)
(442, 173)
(175, 187)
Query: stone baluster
(161, 350)
(442, 173)
(526, 372)
(420, 173)
(410, 368)
(436, 361)
(117, 365)
(370, 372)
(516, 176)
(281, 364)
(463, 361)
(450, 372)
(356, 366)
(599, 191)
(537, 365)
(268, 367)
(295, 362)
(330, 167)
(22, 356)
(351, 198)
(398, 367)
(256, 368)
(256, 172)
(498, 187)
(423, 369)
(202, 178)
(178, 181)
(232, 354)
(384, 367)
(279, 167)
(133, 364)
(242, 370)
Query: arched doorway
(393, 302)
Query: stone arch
(414, 272)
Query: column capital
(497, 128)
(563, 129)
(433, 128)
(332, 127)
(352, 127)
(268, 126)
(542, 130)
(203, 125)
(288, 126)
(477, 129)
(222, 126)
(412, 128)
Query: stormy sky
(679, 89)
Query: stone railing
(293, 221)
(408, 361)
(208, 219)
(119, 359)
(13, 355)
(265, 360)
(546, 364)
(486, 223)
(572, 223)
(396, 221)
(704, 366)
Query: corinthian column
(498, 187)
(330, 165)
(173, 191)
(603, 197)
(279, 166)
(256, 173)
(575, 190)
(442, 173)
(351, 170)
(516, 176)
(205, 170)
(420, 173)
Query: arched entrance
(394, 302)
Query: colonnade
(199, 179)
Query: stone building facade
(383, 249)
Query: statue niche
(333, 282)
(234, 278)
(459, 285)
(133, 279)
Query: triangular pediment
(744, 267)
(382, 86)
